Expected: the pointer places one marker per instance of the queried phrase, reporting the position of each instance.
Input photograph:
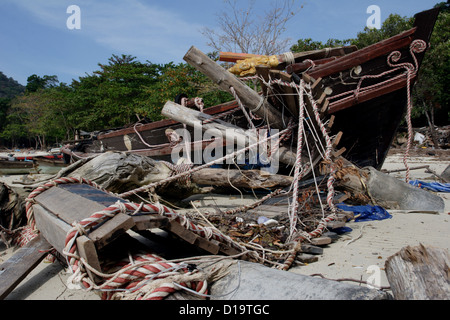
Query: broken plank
(148, 221)
(111, 229)
(16, 268)
(309, 248)
(86, 250)
(320, 241)
(306, 258)
(289, 95)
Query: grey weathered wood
(145, 222)
(233, 134)
(320, 241)
(86, 249)
(253, 179)
(16, 268)
(51, 227)
(111, 229)
(225, 80)
(419, 273)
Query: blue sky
(34, 38)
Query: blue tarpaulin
(367, 212)
(432, 186)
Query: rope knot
(79, 228)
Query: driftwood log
(419, 273)
(369, 185)
(120, 172)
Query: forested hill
(9, 88)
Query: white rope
(289, 58)
(241, 105)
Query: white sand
(375, 242)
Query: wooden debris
(419, 273)
(218, 128)
(226, 80)
(16, 268)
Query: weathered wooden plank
(16, 268)
(51, 227)
(111, 229)
(149, 221)
(320, 241)
(290, 96)
(86, 250)
(75, 202)
(335, 224)
(363, 55)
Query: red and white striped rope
(293, 208)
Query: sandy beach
(359, 255)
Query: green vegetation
(121, 92)
(125, 90)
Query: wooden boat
(8, 167)
(364, 93)
(147, 139)
(368, 107)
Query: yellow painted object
(247, 67)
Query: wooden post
(225, 80)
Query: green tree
(432, 90)
(34, 82)
(120, 92)
(393, 25)
(9, 88)
(310, 45)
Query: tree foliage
(122, 91)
